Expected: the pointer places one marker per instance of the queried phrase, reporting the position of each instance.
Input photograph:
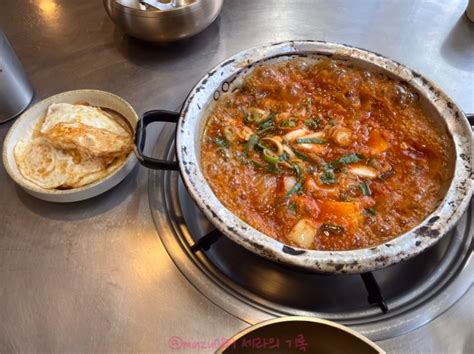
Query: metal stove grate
(373, 290)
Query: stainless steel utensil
(185, 19)
(16, 91)
(160, 5)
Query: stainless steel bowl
(186, 20)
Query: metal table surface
(93, 276)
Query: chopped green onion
(328, 177)
(221, 142)
(289, 123)
(254, 115)
(370, 211)
(253, 140)
(331, 229)
(249, 118)
(301, 156)
(294, 190)
(364, 188)
(266, 129)
(332, 122)
(344, 160)
(283, 157)
(347, 159)
(270, 156)
(297, 169)
(312, 123)
(270, 168)
(310, 141)
(267, 122)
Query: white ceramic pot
(192, 120)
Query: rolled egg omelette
(74, 145)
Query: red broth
(324, 155)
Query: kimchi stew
(326, 156)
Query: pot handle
(140, 137)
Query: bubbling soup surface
(326, 156)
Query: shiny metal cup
(16, 91)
